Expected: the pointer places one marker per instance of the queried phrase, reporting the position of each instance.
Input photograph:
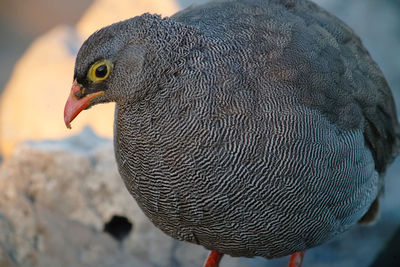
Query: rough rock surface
(57, 196)
(55, 199)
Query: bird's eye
(99, 71)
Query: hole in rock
(118, 227)
(30, 197)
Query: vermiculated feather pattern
(253, 128)
(269, 187)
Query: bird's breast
(288, 180)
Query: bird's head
(107, 67)
(121, 62)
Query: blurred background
(39, 39)
(22, 21)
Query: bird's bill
(75, 104)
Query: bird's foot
(296, 259)
(213, 259)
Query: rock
(8, 243)
(56, 198)
(31, 106)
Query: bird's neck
(167, 41)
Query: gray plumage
(253, 128)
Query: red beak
(75, 105)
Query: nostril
(119, 227)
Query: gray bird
(252, 128)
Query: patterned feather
(253, 128)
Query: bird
(249, 127)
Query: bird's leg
(213, 259)
(296, 259)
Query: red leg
(213, 259)
(296, 259)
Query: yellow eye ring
(100, 70)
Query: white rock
(56, 197)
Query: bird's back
(299, 45)
(271, 136)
